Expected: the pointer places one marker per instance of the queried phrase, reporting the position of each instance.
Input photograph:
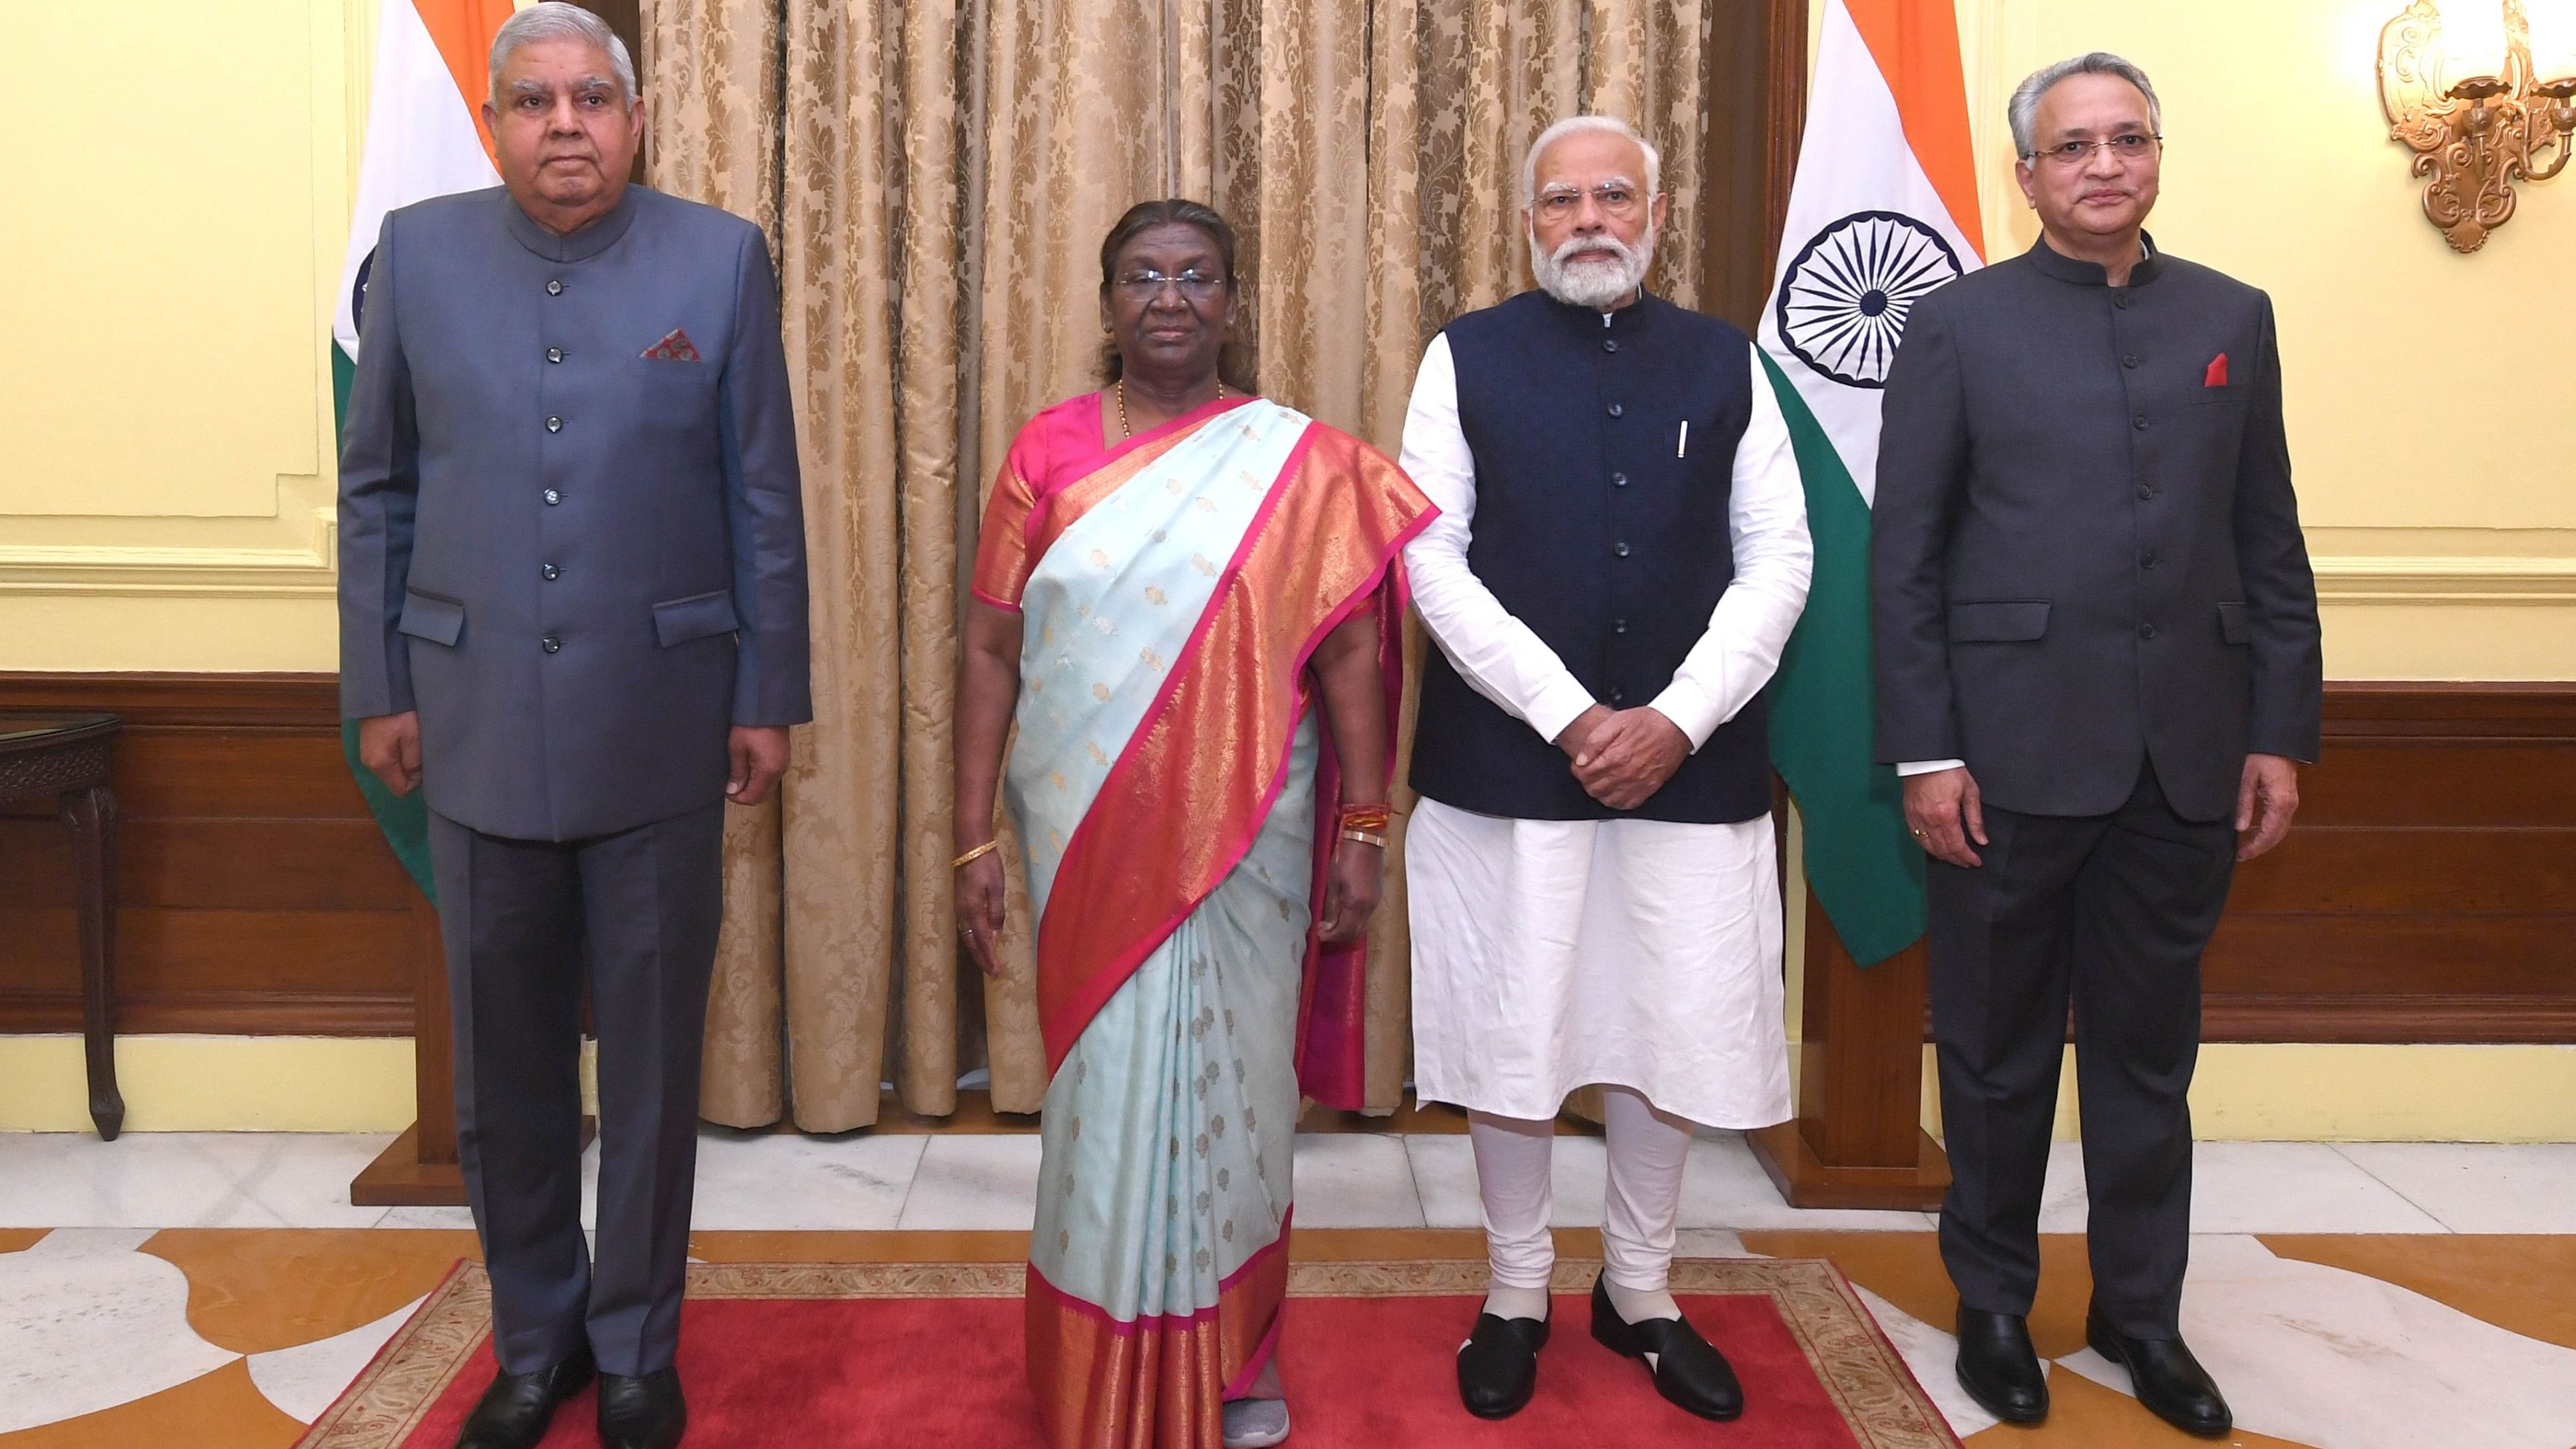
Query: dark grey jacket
(578, 553)
(2084, 549)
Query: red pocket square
(678, 348)
(2217, 370)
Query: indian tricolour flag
(1883, 210)
(424, 139)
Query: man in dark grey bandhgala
(2098, 660)
(573, 610)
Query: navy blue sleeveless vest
(1596, 530)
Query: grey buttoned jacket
(571, 534)
(2086, 553)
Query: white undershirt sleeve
(1500, 657)
(1774, 558)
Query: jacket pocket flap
(2233, 626)
(1998, 621)
(427, 616)
(696, 617)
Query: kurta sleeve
(1774, 558)
(1500, 657)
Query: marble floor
(219, 1289)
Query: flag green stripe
(1861, 863)
(403, 819)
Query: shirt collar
(2064, 268)
(598, 236)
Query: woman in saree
(1186, 599)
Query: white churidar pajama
(1636, 954)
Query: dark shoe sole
(1613, 1333)
(2008, 1413)
(2103, 1344)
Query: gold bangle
(1365, 837)
(978, 853)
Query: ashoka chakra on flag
(1843, 302)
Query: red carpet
(923, 1355)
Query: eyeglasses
(2125, 147)
(1615, 198)
(1145, 286)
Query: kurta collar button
(554, 354)
(1616, 410)
(555, 425)
(2120, 300)
(554, 289)
(1609, 344)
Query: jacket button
(2147, 560)
(2129, 359)
(552, 497)
(2146, 631)
(554, 354)
(1618, 696)
(1616, 410)
(2140, 422)
(550, 573)
(1620, 549)
(1609, 344)
(1618, 626)
(550, 644)
(2120, 300)
(555, 425)
(2146, 490)
(1618, 480)
(554, 289)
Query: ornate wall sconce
(2459, 84)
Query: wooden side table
(66, 756)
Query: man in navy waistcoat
(1621, 554)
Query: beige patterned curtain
(936, 176)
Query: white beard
(1596, 286)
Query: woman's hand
(1351, 890)
(980, 894)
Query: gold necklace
(1125, 432)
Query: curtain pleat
(936, 176)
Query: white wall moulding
(89, 570)
(2403, 579)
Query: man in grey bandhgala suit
(2097, 662)
(573, 610)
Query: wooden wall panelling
(257, 896)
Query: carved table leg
(91, 814)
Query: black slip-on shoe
(1687, 1369)
(2168, 1380)
(1998, 1367)
(646, 1412)
(514, 1412)
(1498, 1365)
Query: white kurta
(1552, 954)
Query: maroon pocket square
(675, 348)
(2216, 377)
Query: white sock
(1648, 1149)
(1512, 1180)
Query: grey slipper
(1255, 1423)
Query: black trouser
(2112, 910)
(526, 921)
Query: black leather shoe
(2167, 1378)
(514, 1412)
(1498, 1365)
(1687, 1369)
(642, 1413)
(1998, 1367)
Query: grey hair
(2022, 111)
(558, 20)
(1570, 126)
